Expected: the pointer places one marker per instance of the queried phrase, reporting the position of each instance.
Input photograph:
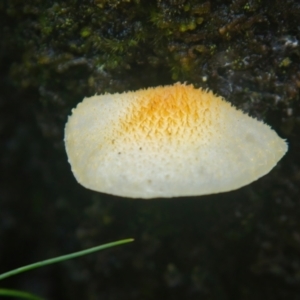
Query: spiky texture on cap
(167, 142)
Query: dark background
(239, 245)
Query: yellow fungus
(168, 141)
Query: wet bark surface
(239, 245)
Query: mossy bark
(239, 245)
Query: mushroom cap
(168, 141)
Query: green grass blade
(63, 258)
(18, 294)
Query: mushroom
(168, 141)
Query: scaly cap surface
(167, 141)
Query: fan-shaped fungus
(167, 141)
